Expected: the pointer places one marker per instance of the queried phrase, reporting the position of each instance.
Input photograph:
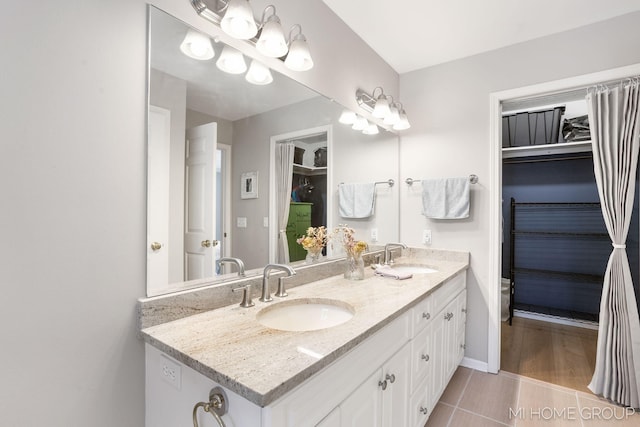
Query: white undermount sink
(413, 268)
(308, 314)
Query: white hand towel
(387, 271)
(356, 200)
(445, 198)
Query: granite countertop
(230, 347)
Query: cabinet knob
(382, 384)
(424, 410)
(391, 378)
(448, 316)
(426, 316)
(464, 310)
(425, 357)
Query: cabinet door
(419, 406)
(364, 406)
(439, 351)
(395, 399)
(331, 420)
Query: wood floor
(558, 354)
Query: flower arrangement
(352, 247)
(315, 239)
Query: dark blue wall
(560, 181)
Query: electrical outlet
(171, 372)
(374, 234)
(265, 222)
(426, 237)
(241, 222)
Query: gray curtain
(615, 121)
(284, 179)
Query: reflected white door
(200, 194)
(158, 199)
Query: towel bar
(389, 182)
(472, 179)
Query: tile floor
(478, 399)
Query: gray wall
(72, 218)
(449, 105)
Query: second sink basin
(307, 314)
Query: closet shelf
(309, 170)
(560, 233)
(595, 278)
(546, 149)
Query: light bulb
(258, 74)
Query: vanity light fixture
(258, 74)
(393, 116)
(403, 121)
(299, 57)
(271, 41)
(238, 20)
(381, 107)
(197, 46)
(347, 117)
(231, 61)
(360, 124)
(372, 129)
(396, 117)
(235, 17)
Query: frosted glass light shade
(360, 124)
(372, 129)
(393, 116)
(272, 42)
(299, 57)
(197, 46)
(403, 122)
(231, 61)
(238, 20)
(347, 117)
(381, 108)
(258, 74)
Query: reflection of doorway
(200, 208)
(308, 200)
(223, 205)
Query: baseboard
(475, 364)
(556, 319)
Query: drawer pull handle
(425, 357)
(382, 384)
(426, 316)
(391, 378)
(424, 410)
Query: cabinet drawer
(421, 314)
(419, 409)
(421, 358)
(448, 291)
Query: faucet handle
(246, 295)
(281, 291)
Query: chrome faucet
(266, 294)
(236, 261)
(388, 258)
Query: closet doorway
(308, 203)
(537, 96)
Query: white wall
(72, 185)
(449, 108)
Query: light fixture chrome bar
(365, 100)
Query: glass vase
(354, 268)
(313, 255)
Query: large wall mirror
(211, 142)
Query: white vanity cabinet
(394, 377)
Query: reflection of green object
(299, 221)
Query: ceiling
(413, 34)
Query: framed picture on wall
(249, 185)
